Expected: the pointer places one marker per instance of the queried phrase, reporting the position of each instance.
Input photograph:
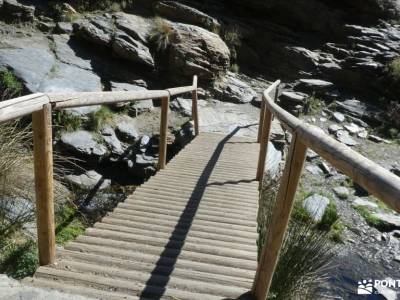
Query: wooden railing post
(195, 113)
(162, 158)
(261, 122)
(280, 218)
(267, 121)
(43, 165)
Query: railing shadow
(182, 228)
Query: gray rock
(316, 206)
(358, 109)
(184, 106)
(352, 128)
(314, 170)
(128, 48)
(344, 137)
(325, 167)
(311, 155)
(17, 10)
(196, 51)
(338, 117)
(334, 128)
(392, 221)
(83, 111)
(127, 132)
(288, 97)
(144, 143)
(314, 84)
(232, 89)
(143, 160)
(97, 30)
(182, 13)
(83, 143)
(110, 138)
(395, 169)
(375, 138)
(135, 26)
(16, 208)
(363, 134)
(64, 27)
(136, 107)
(14, 290)
(88, 181)
(362, 202)
(342, 192)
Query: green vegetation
(66, 121)
(312, 105)
(235, 68)
(98, 118)
(19, 261)
(69, 225)
(306, 251)
(336, 232)
(161, 34)
(329, 218)
(10, 86)
(371, 220)
(393, 69)
(232, 37)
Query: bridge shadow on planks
(189, 212)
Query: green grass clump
(69, 225)
(329, 218)
(312, 105)
(394, 69)
(336, 232)
(66, 121)
(371, 220)
(19, 261)
(99, 118)
(161, 34)
(10, 86)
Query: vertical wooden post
(162, 158)
(43, 164)
(261, 122)
(280, 218)
(265, 131)
(195, 113)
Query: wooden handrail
(40, 105)
(375, 179)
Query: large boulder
(88, 181)
(83, 144)
(232, 89)
(125, 34)
(196, 51)
(182, 13)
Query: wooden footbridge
(190, 231)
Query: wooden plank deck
(189, 232)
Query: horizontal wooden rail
(40, 106)
(26, 105)
(375, 179)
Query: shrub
(393, 69)
(329, 218)
(10, 86)
(312, 105)
(305, 253)
(99, 118)
(371, 220)
(235, 68)
(161, 34)
(66, 121)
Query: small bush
(66, 121)
(19, 261)
(393, 69)
(312, 105)
(336, 232)
(161, 34)
(10, 86)
(371, 220)
(232, 38)
(99, 118)
(329, 218)
(235, 68)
